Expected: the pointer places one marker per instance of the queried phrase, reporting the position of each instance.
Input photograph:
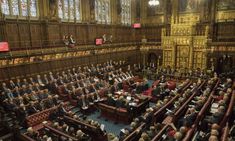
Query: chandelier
(154, 2)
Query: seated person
(32, 109)
(152, 132)
(156, 91)
(145, 136)
(83, 103)
(110, 101)
(217, 116)
(120, 102)
(81, 136)
(32, 134)
(189, 117)
(124, 133)
(66, 40)
(61, 110)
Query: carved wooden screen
(182, 56)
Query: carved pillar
(138, 8)
(86, 6)
(163, 58)
(144, 52)
(202, 11)
(133, 10)
(114, 11)
(143, 11)
(212, 19)
(191, 53)
(44, 9)
(175, 11)
(174, 51)
(1, 14)
(165, 11)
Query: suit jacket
(31, 110)
(139, 89)
(191, 118)
(120, 104)
(48, 103)
(61, 111)
(21, 114)
(111, 101)
(12, 86)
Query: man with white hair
(31, 133)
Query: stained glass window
(126, 12)
(71, 9)
(102, 11)
(77, 6)
(24, 8)
(33, 8)
(66, 9)
(15, 7)
(5, 7)
(20, 8)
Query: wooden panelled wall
(225, 31)
(36, 34)
(27, 70)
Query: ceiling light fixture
(154, 2)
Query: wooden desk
(60, 133)
(123, 114)
(93, 131)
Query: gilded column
(143, 11)
(163, 58)
(44, 7)
(212, 19)
(87, 14)
(191, 53)
(114, 9)
(133, 11)
(174, 51)
(175, 11)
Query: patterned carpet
(110, 126)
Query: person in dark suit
(12, 85)
(9, 105)
(120, 102)
(9, 94)
(32, 109)
(151, 132)
(51, 77)
(2, 97)
(61, 110)
(45, 80)
(48, 103)
(110, 100)
(40, 81)
(60, 81)
(21, 114)
(53, 86)
(23, 90)
(18, 83)
(31, 81)
(156, 91)
(31, 133)
(25, 82)
(139, 88)
(147, 116)
(55, 100)
(189, 118)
